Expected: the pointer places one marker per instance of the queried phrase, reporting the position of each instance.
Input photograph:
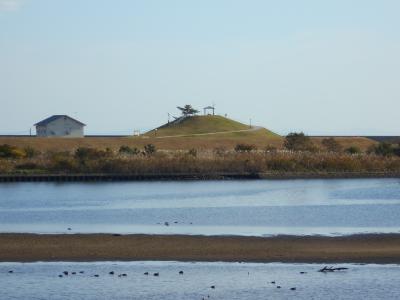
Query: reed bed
(91, 161)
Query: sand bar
(368, 248)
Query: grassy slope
(199, 125)
(183, 135)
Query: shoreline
(363, 248)
(194, 176)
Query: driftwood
(331, 269)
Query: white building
(59, 126)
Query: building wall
(62, 126)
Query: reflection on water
(329, 207)
(231, 281)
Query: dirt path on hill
(254, 128)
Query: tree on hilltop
(188, 110)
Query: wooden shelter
(209, 108)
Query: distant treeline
(300, 155)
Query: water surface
(246, 207)
(231, 281)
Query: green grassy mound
(197, 125)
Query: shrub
(84, 153)
(128, 150)
(245, 148)
(353, 150)
(192, 152)
(384, 149)
(298, 142)
(150, 149)
(7, 151)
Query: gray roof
(55, 117)
(209, 107)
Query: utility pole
(250, 122)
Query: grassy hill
(204, 126)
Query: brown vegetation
(150, 160)
(260, 138)
(347, 142)
(250, 155)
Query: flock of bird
(68, 273)
(166, 223)
(157, 274)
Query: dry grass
(202, 162)
(362, 143)
(260, 138)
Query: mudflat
(365, 248)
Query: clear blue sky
(322, 67)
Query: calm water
(329, 207)
(231, 281)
